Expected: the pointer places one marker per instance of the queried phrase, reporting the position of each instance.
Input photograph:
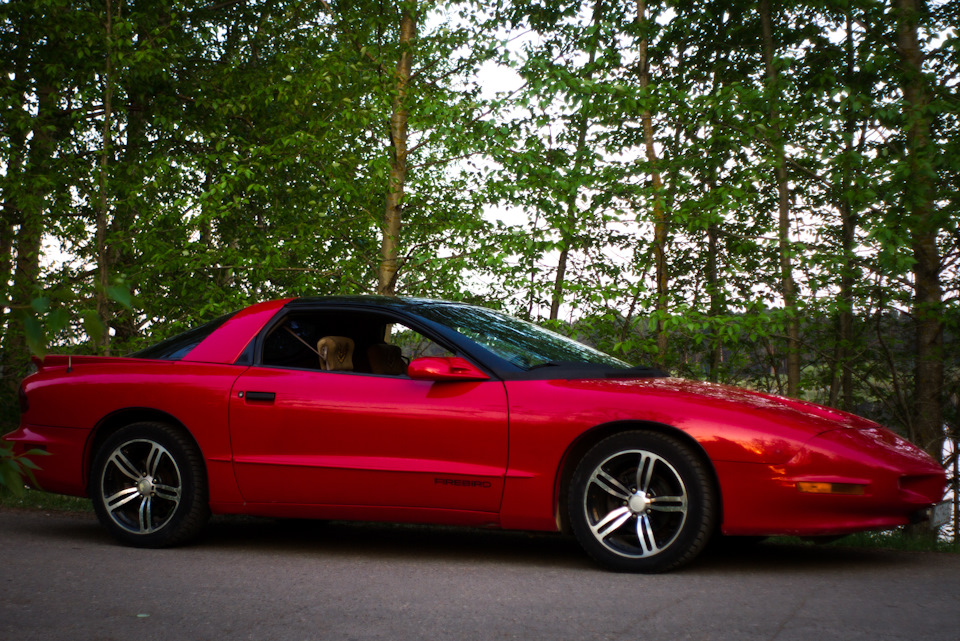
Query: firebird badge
(461, 482)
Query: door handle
(262, 397)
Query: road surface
(62, 577)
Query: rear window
(176, 347)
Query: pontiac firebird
(409, 410)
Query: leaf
(28, 464)
(121, 294)
(92, 325)
(57, 320)
(11, 476)
(40, 304)
(35, 335)
(10, 479)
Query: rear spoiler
(71, 360)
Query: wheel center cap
(638, 503)
(145, 486)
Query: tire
(149, 486)
(642, 502)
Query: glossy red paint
(228, 342)
(444, 368)
(99, 392)
(451, 444)
(760, 447)
(369, 440)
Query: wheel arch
(119, 419)
(582, 444)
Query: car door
(304, 436)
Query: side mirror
(444, 368)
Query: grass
(37, 500)
(896, 539)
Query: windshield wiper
(572, 365)
(542, 365)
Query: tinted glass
(176, 347)
(519, 342)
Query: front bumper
(842, 481)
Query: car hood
(713, 396)
(730, 423)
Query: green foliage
(16, 468)
(41, 320)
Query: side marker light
(813, 487)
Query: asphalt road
(62, 577)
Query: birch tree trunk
(393, 212)
(659, 213)
(571, 219)
(788, 288)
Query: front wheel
(642, 502)
(148, 486)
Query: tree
(661, 222)
(787, 284)
(35, 134)
(925, 222)
(399, 117)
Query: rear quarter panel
(67, 408)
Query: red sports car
(412, 410)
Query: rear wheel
(642, 502)
(148, 486)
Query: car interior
(346, 342)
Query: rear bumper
(63, 471)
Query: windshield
(519, 342)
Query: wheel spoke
(122, 463)
(167, 492)
(153, 459)
(121, 498)
(668, 503)
(648, 542)
(645, 471)
(146, 520)
(609, 484)
(611, 522)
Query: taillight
(24, 403)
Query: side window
(363, 342)
(413, 345)
(292, 344)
